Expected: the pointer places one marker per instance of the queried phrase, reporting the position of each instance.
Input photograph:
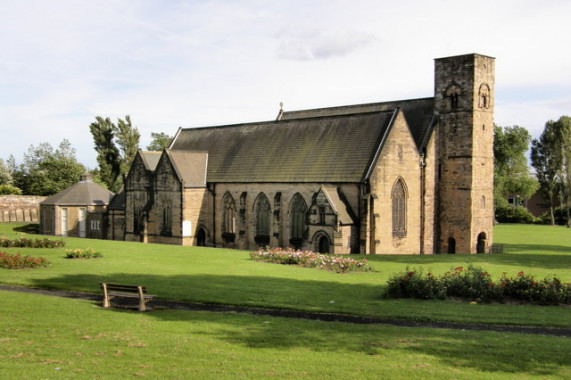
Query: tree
(128, 139)
(116, 147)
(160, 141)
(511, 169)
(45, 171)
(5, 175)
(550, 157)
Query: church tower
(464, 106)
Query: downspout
(422, 202)
(182, 206)
(214, 214)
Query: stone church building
(401, 177)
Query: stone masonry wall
(20, 208)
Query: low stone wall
(20, 208)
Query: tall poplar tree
(116, 146)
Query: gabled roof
(83, 193)
(331, 148)
(190, 166)
(150, 159)
(343, 210)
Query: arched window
(484, 96)
(263, 214)
(453, 93)
(229, 210)
(399, 197)
(166, 223)
(228, 218)
(298, 220)
(483, 202)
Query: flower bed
(477, 285)
(30, 243)
(17, 261)
(310, 259)
(82, 254)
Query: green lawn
(51, 338)
(223, 276)
(44, 337)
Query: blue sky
(200, 63)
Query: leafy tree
(511, 169)
(45, 171)
(5, 175)
(550, 157)
(128, 139)
(116, 147)
(160, 141)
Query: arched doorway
(451, 245)
(323, 244)
(201, 237)
(481, 245)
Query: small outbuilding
(78, 211)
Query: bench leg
(105, 296)
(142, 306)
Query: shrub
(310, 259)
(560, 214)
(82, 254)
(9, 261)
(31, 243)
(510, 214)
(476, 284)
(9, 190)
(549, 291)
(412, 284)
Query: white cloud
(302, 43)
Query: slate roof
(190, 166)
(327, 145)
(83, 193)
(418, 113)
(118, 201)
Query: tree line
(45, 170)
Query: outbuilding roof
(84, 193)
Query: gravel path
(158, 304)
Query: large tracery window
(229, 214)
(166, 224)
(399, 197)
(229, 224)
(298, 216)
(263, 220)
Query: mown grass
(48, 337)
(223, 276)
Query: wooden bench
(126, 291)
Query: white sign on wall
(186, 228)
